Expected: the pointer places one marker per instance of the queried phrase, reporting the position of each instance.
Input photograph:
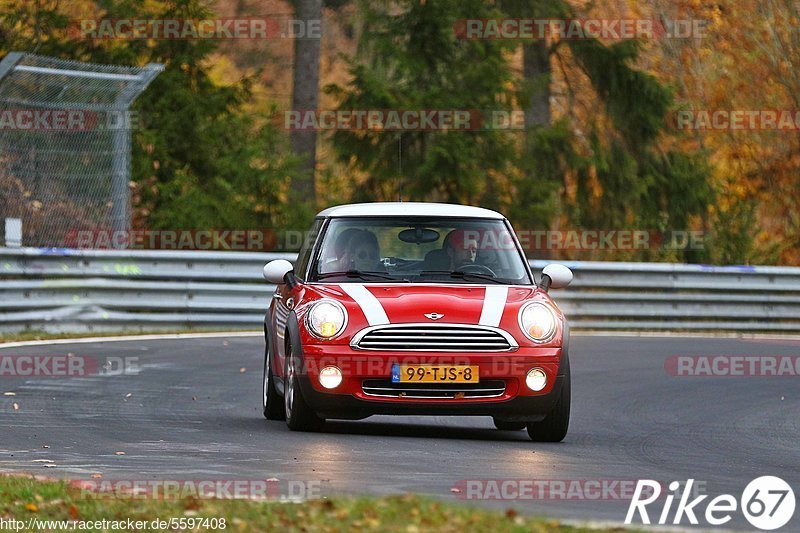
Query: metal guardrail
(59, 290)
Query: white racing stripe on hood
(494, 302)
(372, 308)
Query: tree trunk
(305, 95)
(537, 72)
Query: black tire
(555, 425)
(506, 425)
(271, 400)
(299, 416)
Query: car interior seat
(436, 260)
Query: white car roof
(409, 209)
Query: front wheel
(271, 401)
(299, 416)
(555, 425)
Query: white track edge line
(133, 338)
(211, 335)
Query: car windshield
(409, 249)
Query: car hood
(377, 304)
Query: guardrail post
(13, 232)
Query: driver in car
(462, 249)
(362, 252)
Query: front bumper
(349, 401)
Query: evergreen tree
(410, 59)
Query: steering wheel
(475, 268)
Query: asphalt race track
(191, 413)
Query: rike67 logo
(767, 502)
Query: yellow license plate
(434, 374)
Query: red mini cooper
(416, 309)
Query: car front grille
(440, 391)
(434, 338)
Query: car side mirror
(279, 271)
(555, 276)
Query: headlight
(538, 321)
(326, 319)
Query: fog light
(536, 379)
(330, 377)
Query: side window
(304, 256)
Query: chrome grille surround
(426, 337)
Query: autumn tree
(602, 149)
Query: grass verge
(23, 498)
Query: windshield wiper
(459, 274)
(361, 274)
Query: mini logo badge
(433, 316)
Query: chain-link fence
(65, 144)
